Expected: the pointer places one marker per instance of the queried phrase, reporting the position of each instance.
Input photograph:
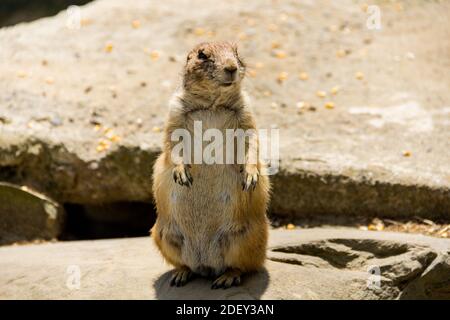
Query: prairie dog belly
(205, 212)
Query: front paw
(182, 176)
(251, 175)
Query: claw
(228, 279)
(250, 181)
(182, 176)
(180, 277)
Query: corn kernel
(359, 75)
(135, 24)
(49, 80)
(335, 89)
(304, 76)
(321, 94)
(282, 76)
(280, 54)
(199, 31)
(108, 47)
(290, 226)
(329, 105)
(407, 153)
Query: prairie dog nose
(231, 69)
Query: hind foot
(231, 277)
(181, 276)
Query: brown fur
(207, 224)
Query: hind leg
(245, 253)
(181, 276)
(231, 277)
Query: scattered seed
(276, 45)
(156, 129)
(304, 76)
(321, 94)
(115, 138)
(108, 47)
(304, 106)
(359, 75)
(100, 148)
(88, 89)
(103, 145)
(335, 90)
(282, 76)
(280, 54)
(340, 53)
(49, 80)
(267, 93)
(290, 226)
(376, 225)
(259, 65)
(136, 24)
(199, 31)
(154, 55)
(407, 153)
(22, 74)
(329, 105)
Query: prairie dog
(211, 217)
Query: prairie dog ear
(189, 56)
(238, 56)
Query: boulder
(28, 215)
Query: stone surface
(27, 215)
(302, 264)
(383, 149)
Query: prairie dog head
(213, 66)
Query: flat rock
(302, 264)
(383, 149)
(28, 215)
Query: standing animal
(211, 218)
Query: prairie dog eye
(202, 56)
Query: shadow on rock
(252, 287)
